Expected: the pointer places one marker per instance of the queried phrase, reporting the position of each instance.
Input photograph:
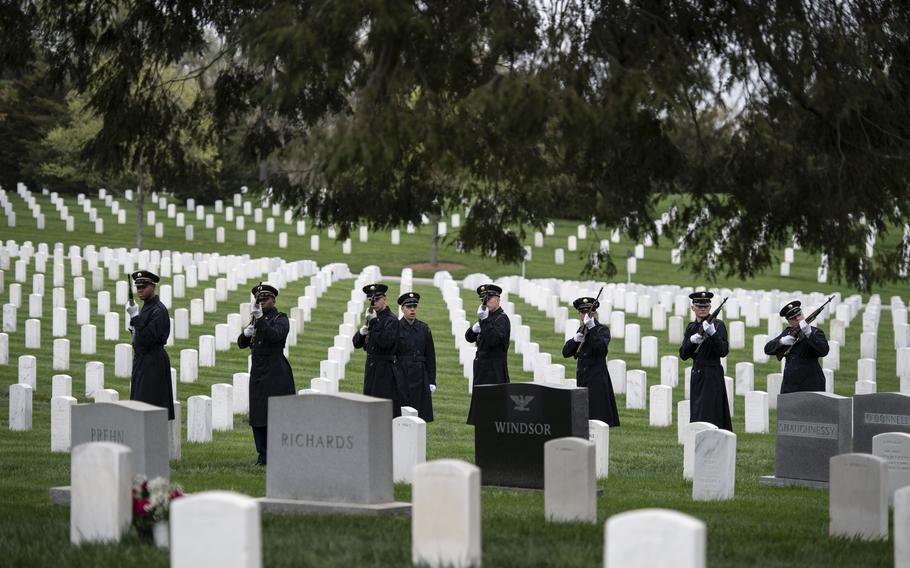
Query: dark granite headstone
(141, 427)
(878, 413)
(515, 420)
(812, 427)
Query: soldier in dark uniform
(270, 372)
(379, 338)
(590, 346)
(151, 380)
(491, 334)
(708, 400)
(416, 357)
(802, 371)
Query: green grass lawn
(762, 526)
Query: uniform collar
(154, 300)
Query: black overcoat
(802, 371)
(491, 361)
(380, 375)
(151, 380)
(270, 372)
(591, 372)
(707, 389)
(417, 365)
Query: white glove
(806, 328)
(256, 311)
(249, 331)
(696, 339)
(371, 315)
(579, 337)
(589, 321)
(364, 330)
(132, 310)
(432, 389)
(476, 328)
(787, 340)
(708, 327)
(482, 313)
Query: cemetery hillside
(502, 283)
(64, 348)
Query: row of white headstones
(96, 218)
(224, 528)
(277, 212)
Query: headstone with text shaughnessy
(812, 427)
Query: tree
(765, 121)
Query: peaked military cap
(374, 291)
(264, 290)
(586, 304)
(791, 310)
(409, 299)
(702, 298)
(487, 290)
(144, 277)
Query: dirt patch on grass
(427, 267)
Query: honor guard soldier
(151, 380)
(589, 347)
(706, 342)
(491, 334)
(802, 371)
(270, 372)
(416, 357)
(379, 338)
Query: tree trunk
(434, 248)
(140, 208)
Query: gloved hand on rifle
(787, 340)
(371, 315)
(589, 321)
(432, 389)
(249, 331)
(709, 328)
(482, 313)
(364, 330)
(256, 311)
(805, 328)
(579, 337)
(476, 327)
(696, 339)
(132, 310)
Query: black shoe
(260, 461)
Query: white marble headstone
(215, 528)
(714, 470)
(570, 480)
(858, 497)
(101, 480)
(445, 522)
(409, 446)
(650, 538)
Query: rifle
(255, 302)
(129, 297)
(784, 350)
(581, 327)
(709, 319)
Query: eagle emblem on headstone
(521, 402)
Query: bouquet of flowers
(152, 503)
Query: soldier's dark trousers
(259, 436)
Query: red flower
(139, 507)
